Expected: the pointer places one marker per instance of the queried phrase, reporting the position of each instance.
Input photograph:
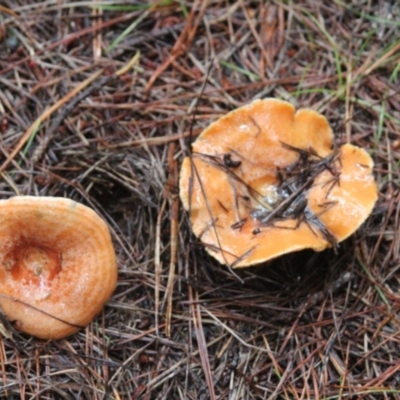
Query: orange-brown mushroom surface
(264, 180)
(57, 265)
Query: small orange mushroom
(57, 265)
(264, 180)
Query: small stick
(174, 211)
(157, 265)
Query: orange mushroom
(264, 180)
(57, 265)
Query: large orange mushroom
(264, 180)
(57, 265)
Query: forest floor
(180, 325)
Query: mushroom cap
(354, 197)
(57, 265)
(239, 160)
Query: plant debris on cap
(57, 265)
(264, 180)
